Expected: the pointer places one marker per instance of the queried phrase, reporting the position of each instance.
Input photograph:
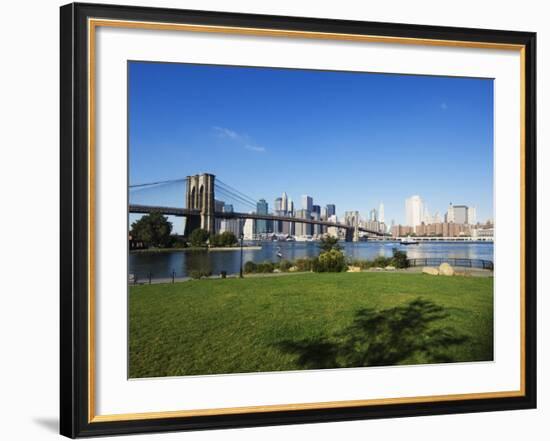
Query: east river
(163, 264)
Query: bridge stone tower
(199, 195)
(351, 219)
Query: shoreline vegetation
(459, 272)
(191, 249)
(308, 321)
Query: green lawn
(308, 321)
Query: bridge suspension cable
(219, 182)
(150, 184)
(235, 198)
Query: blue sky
(352, 139)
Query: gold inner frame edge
(92, 24)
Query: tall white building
(450, 216)
(414, 210)
(249, 230)
(381, 213)
(333, 231)
(472, 215)
(284, 202)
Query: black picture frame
(74, 325)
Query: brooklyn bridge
(200, 208)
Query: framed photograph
(273, 220)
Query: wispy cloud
(254, 148)
(222, 132)
(241, 139)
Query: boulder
(390, 268)
(446, 270)
(293, 269)
(354, 269)
(430, 270)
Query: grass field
(308, 321)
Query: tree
(329, 243)
(198, 237)
(225, 239)
(153, 230)
(399, 259)
(332, 261)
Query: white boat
(409, 241)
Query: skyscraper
(333, 231)
(472, 215)
(460, 214)
(284, 202)
(307, 203)
(381, 213)
(316, 215)
(218, 206)
(278, 205)
(301, 228)
(261, 224)
(414, 211)
(331, 210)
(373, 215)
(249, 232)
(232, 225)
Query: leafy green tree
(329, 243)
(199, 237)
(399, 259)
(225, 239)
(152, 229)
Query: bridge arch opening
(193, 198)
(201, 197)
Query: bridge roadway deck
(181, 212)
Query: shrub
(303, 264)
(399, 259)
(332, 261)
(284, 265)
(363, 264)
(381, 261)
(250, 267)
(199, 274)
(265, 267)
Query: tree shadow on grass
(381, 338)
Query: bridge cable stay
(150, 184)
(235, 193)
(234, 190)
(235, 198)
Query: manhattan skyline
(349, 139)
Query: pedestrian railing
(468, 263)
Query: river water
(162, 264)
